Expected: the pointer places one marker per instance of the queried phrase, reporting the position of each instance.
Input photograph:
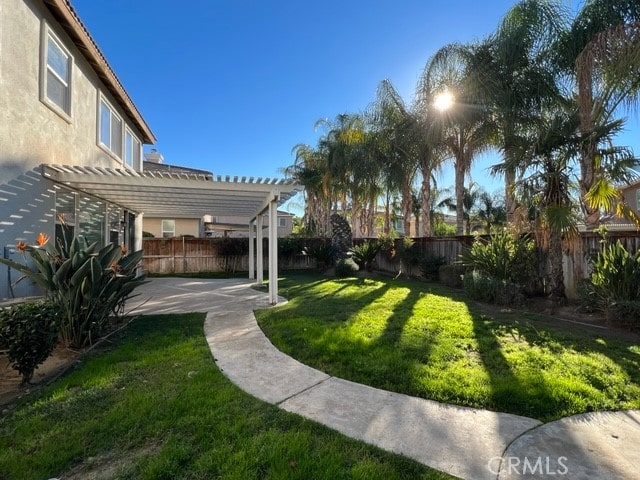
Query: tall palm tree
(515, 78)
(395, 125)
(600, 58)
(310, 170)
(465, 127)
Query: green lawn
(426, 340)
(155, 406)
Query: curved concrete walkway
(465, 442)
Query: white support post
(105, 226)
(138, 232)
(259, 254)
(252, 251)
(273, 252)
(138, 240)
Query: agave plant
(365, 254)
(88, 283)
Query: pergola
(193, 195)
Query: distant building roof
(164, 167)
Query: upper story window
(57, 65)
(132, 149)
(109, 129)
(638, 200)
(282, 222)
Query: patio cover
(183, 195)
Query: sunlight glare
(443, 101)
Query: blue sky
(231, 86)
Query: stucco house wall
(34, 132)
(31, 132)
(183, 226)
(632, 196)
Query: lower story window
(168, 228)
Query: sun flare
(444, 100)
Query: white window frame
(282, 222)
(65, 110)
(133, 162)
(164, 230)
(112, 113)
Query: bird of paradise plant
(89, 284)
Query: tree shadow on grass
(561, 394)
(510, 392)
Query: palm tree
(395, 126)
(465, 127)
(470, 198)
(514, 77)
(310, 170)
(490, 212)
(600, 56)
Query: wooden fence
(192, 255)
(188, 255)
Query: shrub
(441, 229)
(148, 235)
(616, 274)
(88, 284)
(451, 275)
(387, 244)
(503, 257)
(365, 254)
(430, 266)
(346, 267)
(231, 251)
(626, 314)
(290, 246)
(322, 254)
(614, 285)
(30, 333)
(229, 247)
(492, 290)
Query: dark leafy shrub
(346, 267)
(148, 235)
(290, 246)
(228, 247)
(365, 254)
(626, 314)
(30, 333)
(88, 284)
(322, 254)
(430, 266)
(408, 251)
(588, 296)
(231, 252)
(492, 290)
(451, 275)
